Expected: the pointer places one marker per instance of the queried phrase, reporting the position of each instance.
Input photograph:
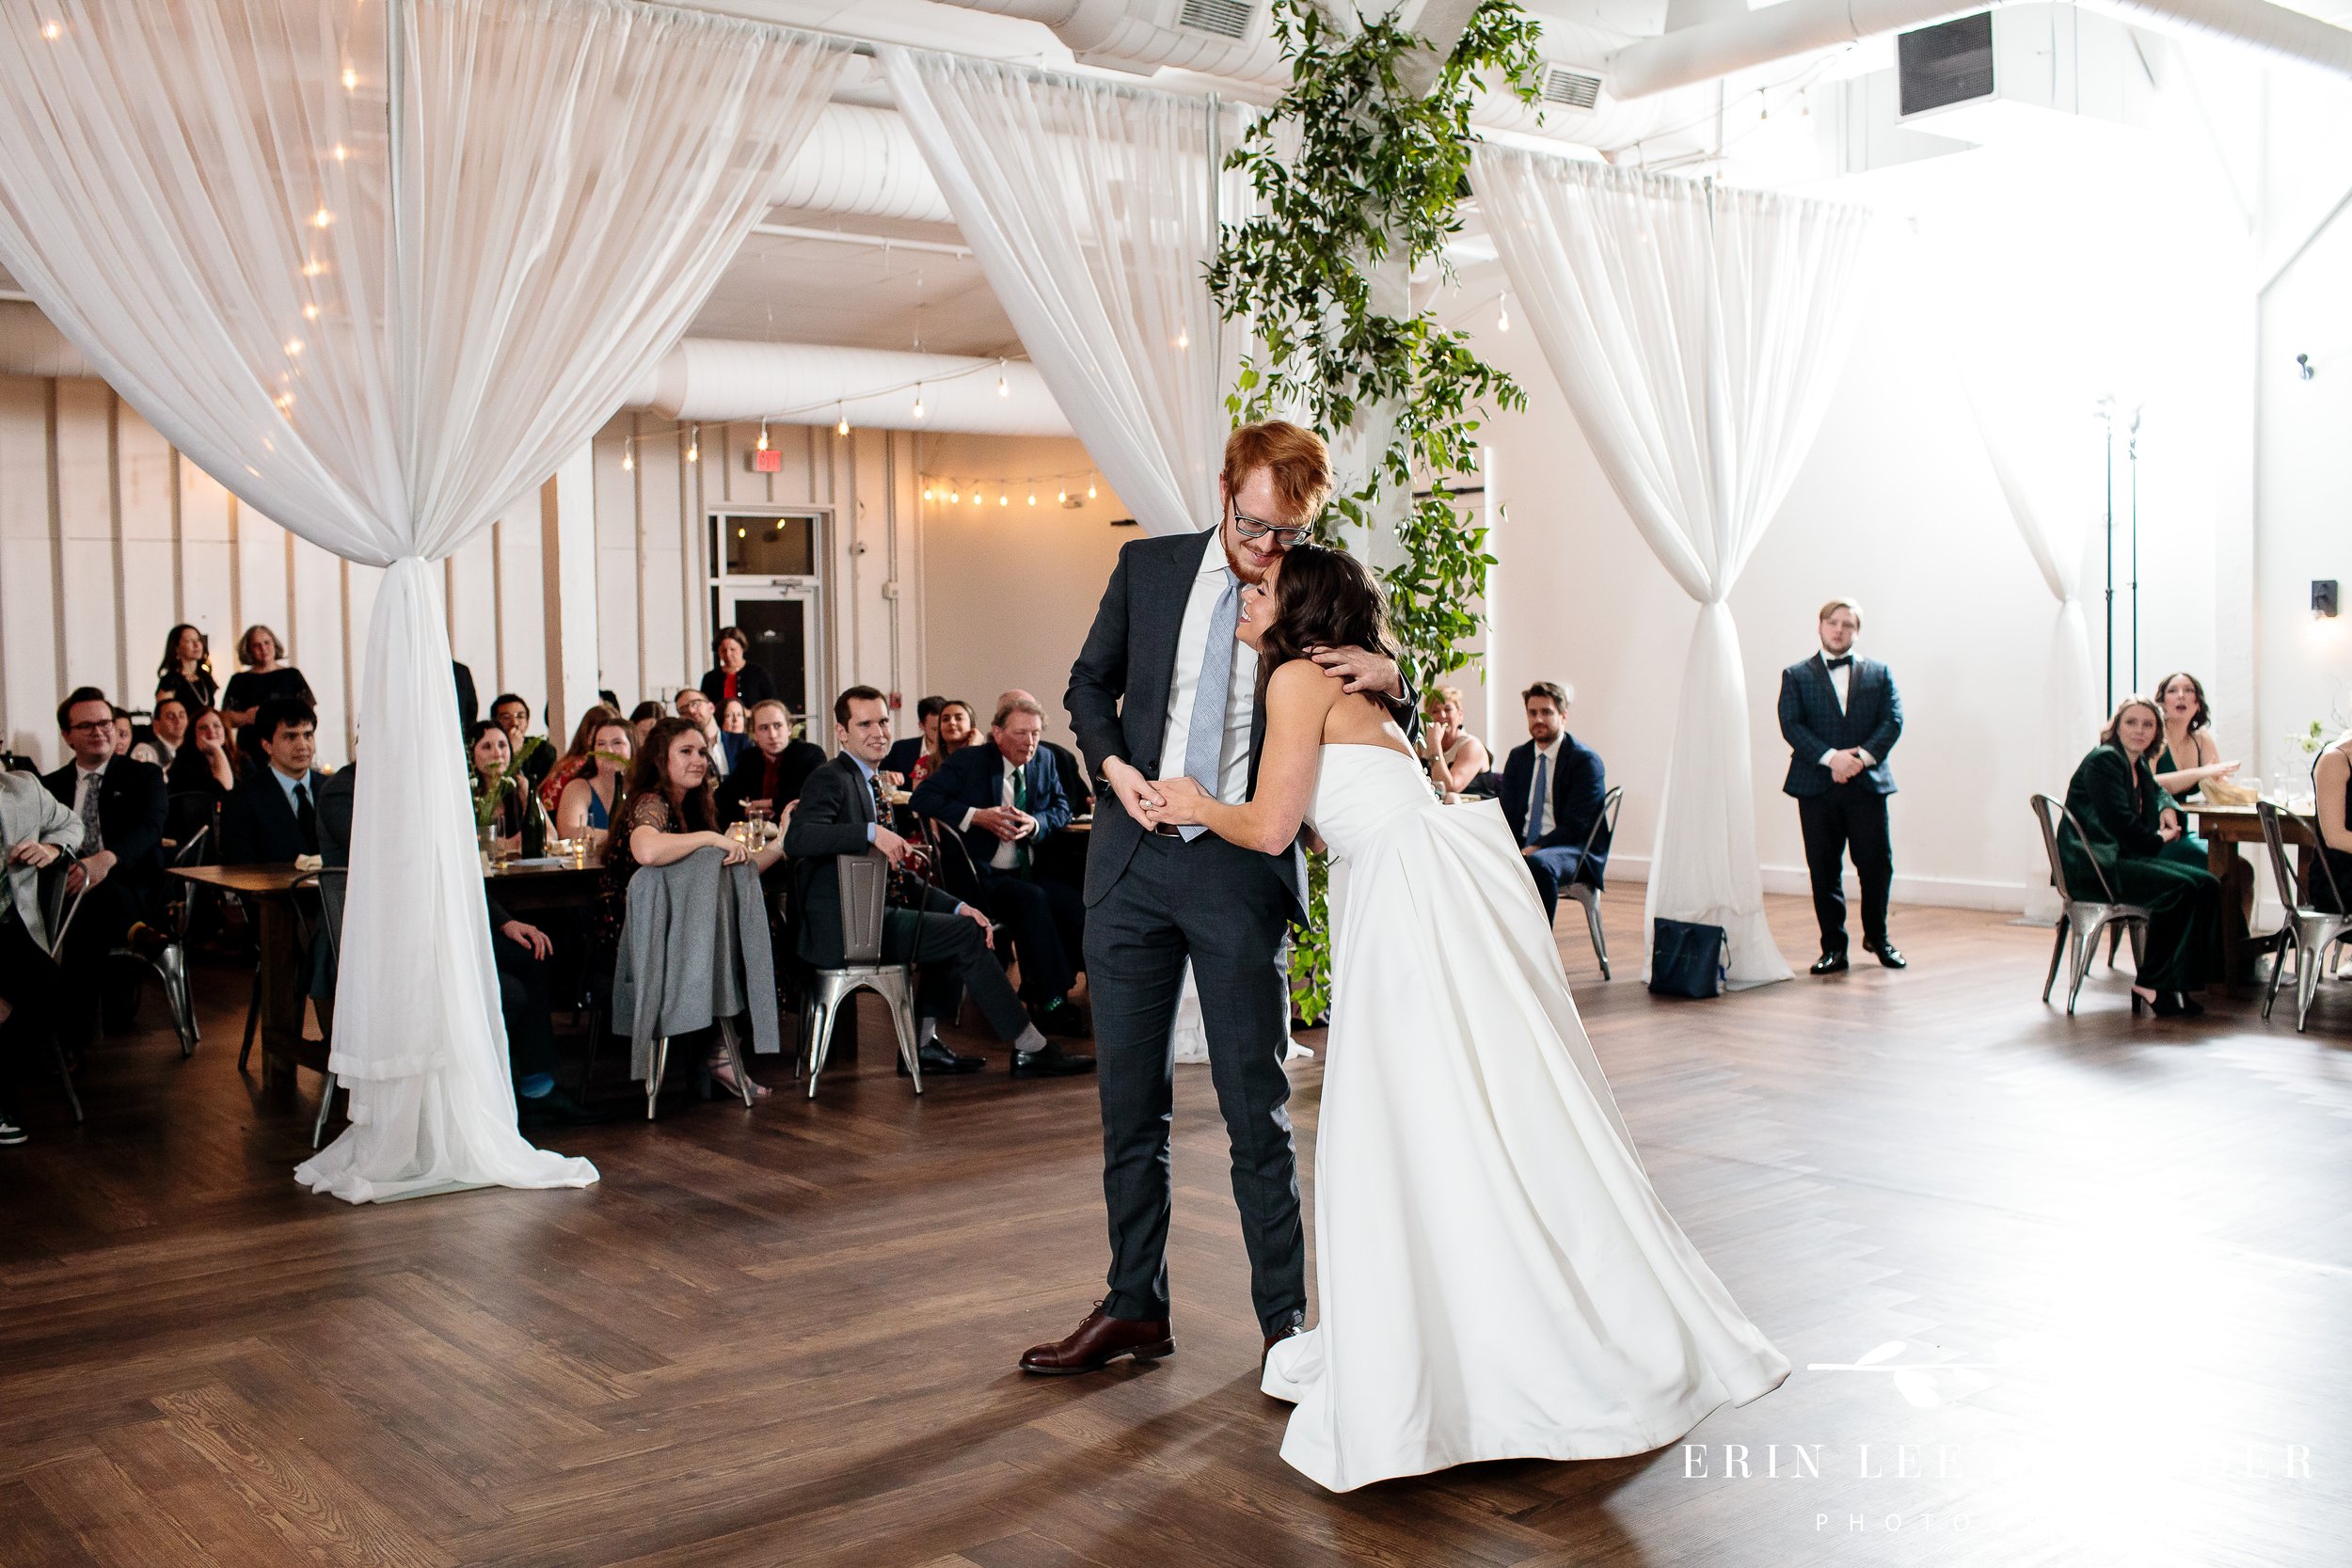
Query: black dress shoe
(1296, 1326)
(1052, 1061)
(1888, 956)
(936, 1057)
(1062, 1019)
(1829, 963)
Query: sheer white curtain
(1697, 332)
(376, 268)
(2054, 510)
(1093, 210)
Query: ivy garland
(1380, 167)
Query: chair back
(58, 906)
(1603, 834)
(864, 881)
(956, 872)
(2043, 808)
(2292, 889)
(334, 888)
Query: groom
(1163, 688)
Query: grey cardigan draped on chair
(678, 966)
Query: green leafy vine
(1363, 163)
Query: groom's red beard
(1247, 566)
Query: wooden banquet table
(2223, 828)
(520, 885)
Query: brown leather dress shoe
(1277, 1337)
(1099, 1341)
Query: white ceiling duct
(860, 162)
(1793, 27)
(1231, 38)
(30, 345)
(718, 379)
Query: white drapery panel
(376, 268)
(1093, 210)
(2053, 514)
(1697, 332)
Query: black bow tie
(1840, 663)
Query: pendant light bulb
(628, 457)
(1004, 389)
(694, 446)
(918, 400)
(763, 435)
(841, 426)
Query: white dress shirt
(1192, 640)
(1006, 855)
(1840, 680)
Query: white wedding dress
(1497, 1278)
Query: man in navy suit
(121, 803)
(1552, 792)
(273, 814)
(1841, 715)
(1005, 798)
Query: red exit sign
(769, 462)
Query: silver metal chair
(2308, 933)
(171, 965)
(2081, 917)
(1604, 830)
(57, 908)
(864, 884)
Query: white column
(567, 544)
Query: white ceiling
(857, 295)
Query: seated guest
(498, 788)
(735, 676)
(1456, 757)
(1074, 789)
(2331, 789)
(2185, 758)
(2127, 819)
(1005, 798)
(950, 733)
(469, 704)
(734, 717)
(204, 765)
(576, 757)
(899, 761)
(263, 678)
(122, 805)
(127, 736)
(641, 719)
(767, 784)
(36, 830)
(531, 755)
(275, 816)
(1553, 790)
(841, 813)
(167, 730)
(667, 812)
(185, 671)
(585, 807)
(722, 748)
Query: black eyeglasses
(1252, 528)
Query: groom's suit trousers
(1229, 910)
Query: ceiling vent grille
(1227, 19)
(1571, 88)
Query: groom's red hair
(1300, 463)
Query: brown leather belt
(1167, 831)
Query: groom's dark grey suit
(1152, 901)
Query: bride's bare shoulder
(1300, 685)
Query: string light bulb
(53, 30)
(1002, 498)
(628, 456)
(763, 435)
(927, 495)
(310, 312)
(1090, 487)
(1032, 495)
(1062, 495)
(351, 80)
(1503, 312)
(694, 446)
(841, 426)
(955, 497)
(1184, 339)
(1003, 388)
(918, 400)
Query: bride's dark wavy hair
(1323, 598)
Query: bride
(1497, 1278)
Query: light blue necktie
(1204, 741)
(1539, 799)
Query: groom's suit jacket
(1117, 698)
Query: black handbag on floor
(1687, 960)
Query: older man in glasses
(1162, 686)
(120, 802)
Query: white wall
(1009, 591)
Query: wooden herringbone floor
(2117, 1255)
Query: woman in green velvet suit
(2127, 821)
